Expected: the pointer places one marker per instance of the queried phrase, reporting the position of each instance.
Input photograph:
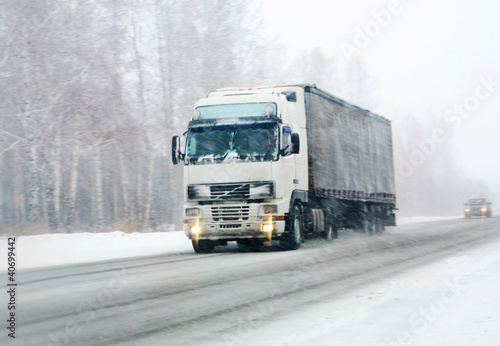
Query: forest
(92, 92)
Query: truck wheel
(378, 221)
(378, 227)
(203, 245)
(367, 227)
(331, 231)
(367, 223)
(292, 239)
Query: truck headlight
(270, 209)
(467, 210)
(191, 212)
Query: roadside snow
(455, 301)
(418, 219)
(59, 249)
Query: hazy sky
(427, 58)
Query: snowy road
(396, 288)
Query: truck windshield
(244, 143)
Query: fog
(427, 67)
(92, 93)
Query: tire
(331, 231)
(378, 221)
(202, 245)
(367, 223)
(378, 226)
(367, 226)
(292, 239)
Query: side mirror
(295, 143)
(286, 141)
(290, 142)
(176, 152)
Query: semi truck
(281, 164)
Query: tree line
(91, 94)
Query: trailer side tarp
(350, 150)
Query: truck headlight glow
(484, 209)
(267, 227)
(195, 229)
(467, 210)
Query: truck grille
(231, 191)
(230, 213)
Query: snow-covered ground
(60, 249)
(453, 301)
(418, 219)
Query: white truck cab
(247, 170)
(241, 156)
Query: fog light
(195, 229)
(267, 227)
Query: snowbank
(57, 249)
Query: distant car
(477, 207)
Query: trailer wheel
(378, 226)
(202, 245)
(367, 226)
(379, 221)
(292, 239)
(331, 231)
(367, 222)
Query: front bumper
(476, 212)
(233, 222)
